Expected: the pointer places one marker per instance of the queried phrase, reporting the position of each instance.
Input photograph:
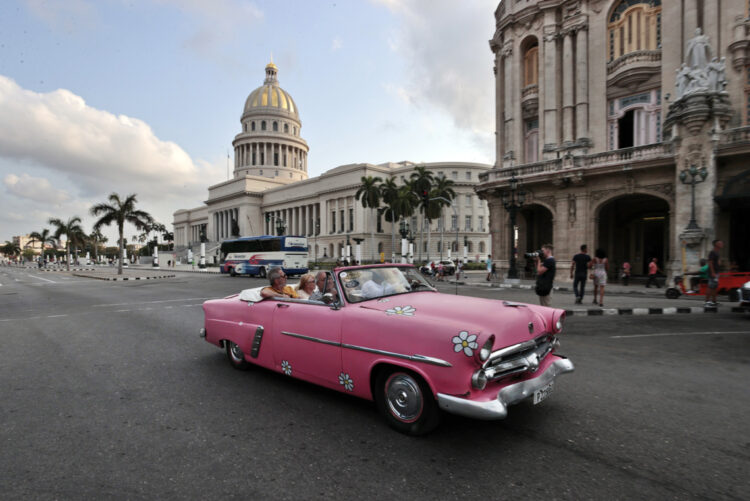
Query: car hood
(508, 321)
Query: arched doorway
(734, 205)
(634, 228)
(534, 230)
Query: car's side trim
(415, 358)
(256, 342)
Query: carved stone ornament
(692, 238)
(630, 184)
(507, 49)
(571, 208)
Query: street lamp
(512, 201)
(315, 237)
(280, 227)
(404, 230)
(695, 173)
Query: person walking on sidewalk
(714, 261)
(625, 272)
(580, 268)
(545, 274)
(599, 274)
(489, 267)
(653, 269)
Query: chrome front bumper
(498, 408)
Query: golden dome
(270, 95)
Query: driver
(389, 284)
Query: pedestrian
(579, 268)
(494, 271)
(697, 276)
(545, 274)
(625, 273)
(489, 267)
(714, 262)
(599, 274)
(440, 271)
(653, 269)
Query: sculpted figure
(698, 50)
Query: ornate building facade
(625, 123)
(270, 184)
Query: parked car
(743, 296)
(383, 333)
(449, 267)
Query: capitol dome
(270, 95)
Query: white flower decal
(286, 367)
(406, 311)
(465, 342)
(346, 381)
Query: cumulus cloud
(454, 77)
(337, 44)
(34, 188)
(59, 131)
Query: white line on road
(55, 316)
(705, 333)
(40, 278)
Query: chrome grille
(522, 357)
(745, 294)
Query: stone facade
(270, 184)
(600, 106)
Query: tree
(96, 237)
(369, 194)
(441, 196)
(421, 182)
(404, 203)
(119, 211)
(71, 229)
(44, 237)
(11, 249)
(389, 193)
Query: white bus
(256, 255)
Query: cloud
(34, 188)
(337, 44)
(60, 132)
(454, 77)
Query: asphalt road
(108, 393)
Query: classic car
(743, 296)
(449, 267)
(383, 333)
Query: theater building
(625, 125)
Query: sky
(145, 96)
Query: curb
(645, 311)
(114, 279)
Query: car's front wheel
(406, 402)
(236, 357)
(262, 273)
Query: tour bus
(256, 255)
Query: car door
(307, 341)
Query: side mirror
(328, 298)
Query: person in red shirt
(653, 269)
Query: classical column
(499, 108)
(568, 90)
(582, 83)
(508, 100)
(550, 70)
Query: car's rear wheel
(232, 272)
(262, 273)
(236, 357)
(406, 402)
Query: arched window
(276, 126)
(634, 25)
(481, 247)
(244, 127)
(531, 140)
(252, 126)
(470, 247)
(286, 128)
(531, 65)
(380, 247)
(263, 125)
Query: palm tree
(44, 237)
(443, 190)
(421, 182)
(11, 248)
(369, 194)
(97, 238)
(389, 193)
(119, 211)
(71, 229)
(404, 203)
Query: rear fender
(240, 333)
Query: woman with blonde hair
(306, 286)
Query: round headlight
(559, 323)
(479, 380)
(486, 350)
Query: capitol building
(270, 185)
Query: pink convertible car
(385, 334)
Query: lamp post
(358, 251)
(348, 250)
(280, 227)
(404, 230)
(512, 201)
(694, 173)
(315, 237)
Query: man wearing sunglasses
(278, 287)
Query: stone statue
(682, 80)
(717, 79)
(699, 51)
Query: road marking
(120, 311)
(55, 316)
(705, 333)
(40, 278)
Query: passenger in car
(323, 284)
(306, 286)
(278, 287)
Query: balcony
(633, 68)
(616, 160)
(734, 141)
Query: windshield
(372, 283)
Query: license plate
(543, 393)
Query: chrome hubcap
(236, 353)
(404, 397)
